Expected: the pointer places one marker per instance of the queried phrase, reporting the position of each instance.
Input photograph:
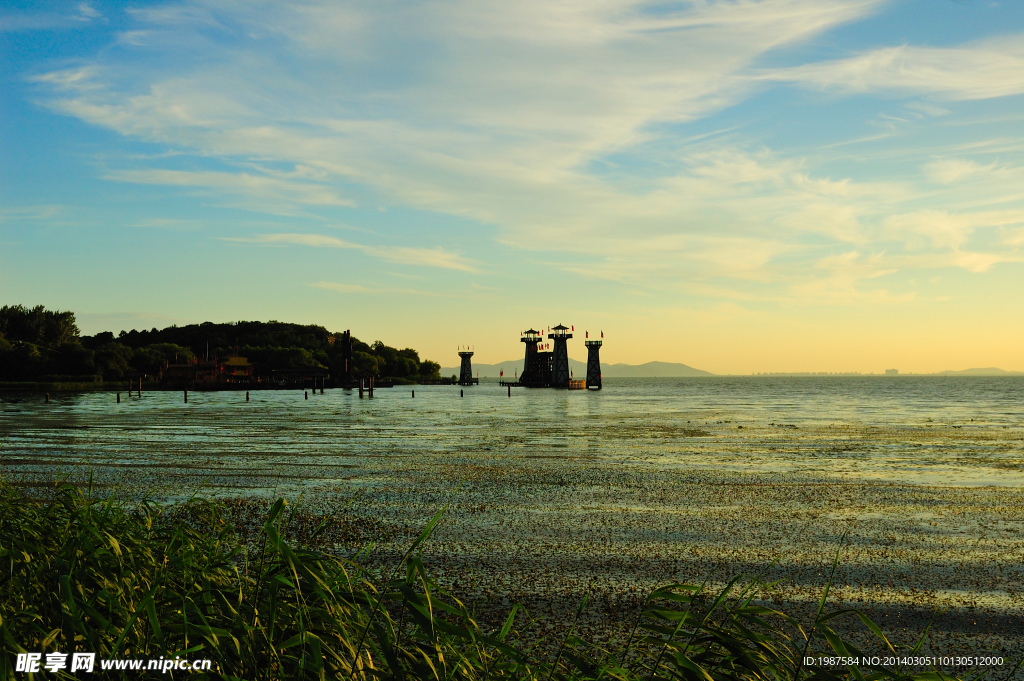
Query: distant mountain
(988, 371)
(579, 370)
(652, 369)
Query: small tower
(560, 364)
(593, 364)
(346, 354)
(466, 374)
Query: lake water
(963, 431)
(918, 481)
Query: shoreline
(155, 386)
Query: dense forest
(37, 344)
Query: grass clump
(83, 574)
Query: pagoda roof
(559, 328)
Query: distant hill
(668, 370)
(987, 371)
(579, 369)
(652, 369)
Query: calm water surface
(929, 429)
(919, 479)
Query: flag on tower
(602, 334)
(588, 334)
(502, 374)
(572, 328)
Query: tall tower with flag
(560, 364)
(594, 361)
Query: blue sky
(774, 185)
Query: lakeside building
(236, 373)
(237, 368)
(230, 370)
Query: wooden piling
(47, 398)
(462, 393)
(360, 387)
(119, 398)
(414, 393)
(307, 394)
(186, 395)
(371, 386)
(510, 391)
(246, 395)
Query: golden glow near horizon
(767, 186)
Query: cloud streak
(339, 288)
(253, 185)
(12, 21)
(420, 257)
(988, 69)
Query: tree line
(37, 344)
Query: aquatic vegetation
(81, 573)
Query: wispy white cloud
(384, 290)
(260, 187)
(170, 224)
(996, 176)
(314, 240)
(947, 230)
(948, 171)
(79, 79)
(926, 109)
(991, 68)
(45, 212)
(427, 257)
(424, 257)
(87, 11)
(848, 279)
(340, 288)
(83, 13)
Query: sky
(741, 186)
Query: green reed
(79, 573)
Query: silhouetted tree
(37, 325)
(37, 342)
